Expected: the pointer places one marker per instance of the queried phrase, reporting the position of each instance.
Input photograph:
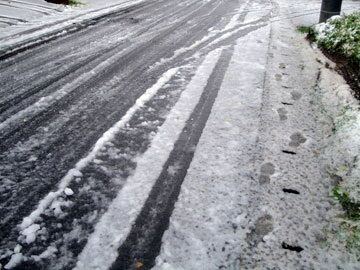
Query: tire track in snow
(34, 37)
(20, 92)
(26, 8)
(56, 155)
(205, 227)
(13, 18)
(236, 18)
(28, 129)
(48, 101)
(35, 111)
(13, 100)
(115, 225)
(144, 241)
(54, 179)
(54, 8)
(107, 136)
(100, 182)
(210, 41)
(29, 225)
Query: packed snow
(113, 227)
(203, 228)
(29, 221)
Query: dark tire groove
(47, 170)
(144, 241)
(9, 138)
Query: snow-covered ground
(21, 12)
(205, 227)
(231, 128)
(307, 12)
(20, 15)
(236, 213)
(27, 22)
(13, 12)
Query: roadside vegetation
(339, 39)
(349, 232)
(339, 35)
(74, 2)
(351, 208)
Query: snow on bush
(343, 147)
(341, 153)
(340, 34)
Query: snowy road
(104, 132)
(74, 89)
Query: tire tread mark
(144, 240)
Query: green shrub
(304, 29)
(351, 208)
(74, 2)
(341, 34)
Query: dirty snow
(113, 227)
(234, 26)
(245, 203)
(107, 137)
(256, 214)
(203, 230)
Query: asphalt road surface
(59, 98)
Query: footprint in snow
(282, 114)
(297, 139)
(266, 170)
(282, 65)
(278, 77)
(296, 95)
